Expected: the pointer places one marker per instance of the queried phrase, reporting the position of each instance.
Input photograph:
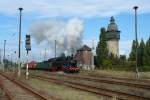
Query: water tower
(113, 37)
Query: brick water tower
(84, 58)
(113, 36)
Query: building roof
(84, 48)
(112, 30)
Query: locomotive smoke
(68, 35)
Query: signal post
(28, 48)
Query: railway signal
(28, 43)
(28, 48)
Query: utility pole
(92, 54)
(19, 64)
(15, 60)
(41, 57)
(4, 55)
(11, 60)
(45, 55)
(55, 48)
(137, 71)
(0, 56)
(49, 49)
(27, 72)
(4, 49)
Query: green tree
(123, 57)
(132, 55)
(147, 53)
(141, 53)
(101, 50)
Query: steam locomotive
(65, 64)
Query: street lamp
(137, 72)
(19, 72)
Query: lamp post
(19, 65)
(137, 72)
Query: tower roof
(112, 25)
(112, 30)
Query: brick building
(84, 57)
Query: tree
(101, 50)
(147, 53)
(132, 55)
(141, 53)
(123, 57)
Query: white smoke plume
(68, 35)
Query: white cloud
(125, 47)
(80, 8)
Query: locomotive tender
(65, 64)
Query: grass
(63, 92)
(67, 93)
(113, 73)
(114, 87)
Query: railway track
(92, 89)
(130, 83)
(16, 90)
(4, 94)
(113, 81)
(119, 78)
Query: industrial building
(85, 58)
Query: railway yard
(44, 85)
(74, 50)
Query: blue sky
(94, 14)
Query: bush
(144, 68)
(107, 64)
